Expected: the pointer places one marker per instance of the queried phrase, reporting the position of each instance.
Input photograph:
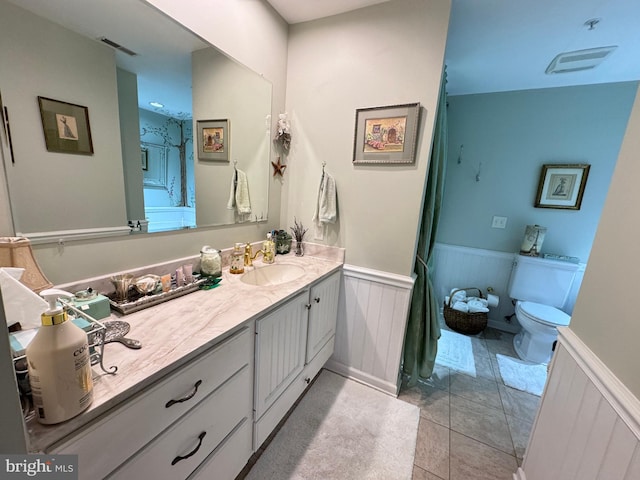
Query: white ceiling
(502, 45)
(164, 47)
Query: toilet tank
(541, 280)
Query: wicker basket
(463, 322)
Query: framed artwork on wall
(386, 135)
(66, 127)
(213, 140)
(562, 186)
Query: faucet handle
(248, 253)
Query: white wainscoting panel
(588, 425)
(372, 318)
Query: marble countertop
(175, 332)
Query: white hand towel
(239, 194)
(326, 206)
(461, 306)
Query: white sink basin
(272, 274)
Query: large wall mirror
(145, 82)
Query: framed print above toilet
(562, 186)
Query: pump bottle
(59, 365)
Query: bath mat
(342, 430)
(528, 377)
(456, 352)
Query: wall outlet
(499, 222)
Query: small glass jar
(236, 263)
(210, 262)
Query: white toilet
(540, 287)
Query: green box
(98, 307)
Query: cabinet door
(280, 350)
(322, 314)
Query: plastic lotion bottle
(59, 365)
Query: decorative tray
(140, 302)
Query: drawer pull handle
(191, 453)
(307, 380)
(308, 306)
(188, 397)
(317, 299)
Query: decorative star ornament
(278, 168)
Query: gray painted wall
(509, 136)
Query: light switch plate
(499, 222)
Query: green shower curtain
(423, 329)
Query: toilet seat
(544, 314)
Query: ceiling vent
(579, 60)
(117, 46)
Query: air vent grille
(579, 60)
(117, 46)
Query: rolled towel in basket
(475, 306)
(460, 296)
(461, 306)
(484, 301)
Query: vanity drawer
(182, 448)
(108, 442)
(228, 460)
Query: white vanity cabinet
(293, 342)
(180, 424)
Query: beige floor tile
(471, 459)
(478, 389)
(480, 422)
(421, 474)
(519, 404)
(433, 402)
(503, 344)
(440, 377)
(432, 448)
(479, 346)
(484, 367)
(520, 430)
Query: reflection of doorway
(175, 135)
(169, 183)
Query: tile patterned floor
(471, 427)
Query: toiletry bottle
(268, 249)
(237, 259)
(59, 365)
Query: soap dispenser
(268, 249)
(236, 263)
(59, 364)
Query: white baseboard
(362, 377)
(519, 475)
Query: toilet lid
(545, 314)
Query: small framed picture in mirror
(213, 140)
(66, 127)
